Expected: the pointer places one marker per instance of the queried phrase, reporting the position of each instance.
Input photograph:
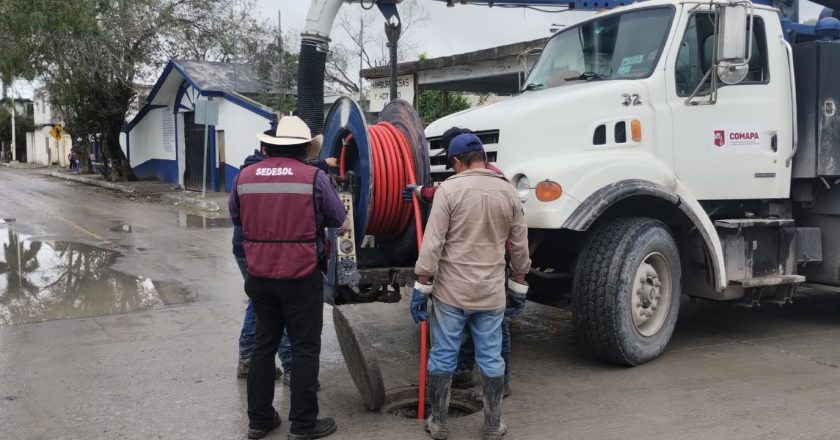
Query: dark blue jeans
(249, 328)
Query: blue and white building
(164, 141)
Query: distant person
(283, 206)
(74, 164)
(475, 212)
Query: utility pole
(361, 52)
(3, 86)
(281, 79)
(14, 144)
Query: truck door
(735, 148)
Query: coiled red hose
(392, 168)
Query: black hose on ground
(310, 93)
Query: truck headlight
(523, 187)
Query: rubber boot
(494, 388)
(439, 401)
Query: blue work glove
(419, 301)
(516, 298)
(410, 191)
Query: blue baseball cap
(464, 143)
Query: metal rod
(14, 142)
(204, 162)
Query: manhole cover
(359, 356)
(402, 402)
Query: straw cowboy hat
(314, 149)
(291, 130)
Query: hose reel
(382, 158)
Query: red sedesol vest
(277, 208)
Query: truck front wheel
(626, 292)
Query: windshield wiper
(588, 76)
(532, 86)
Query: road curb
(88, 181)
(185, 200)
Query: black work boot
(260, 433)
(323, 427)
(463, 380)
(494, 427)
(439, 401)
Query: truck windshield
(619, 46)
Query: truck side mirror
(734, 42)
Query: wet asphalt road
(119, 318)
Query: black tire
(603, 291)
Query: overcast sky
(447, 31)
(462, 28)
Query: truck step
(738, 223)
(773, 280)
(756, 292)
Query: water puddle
(44, 281)
(210, 221)
(122, 228)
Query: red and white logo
(720, 138)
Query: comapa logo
(720, 138)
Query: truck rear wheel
(626, 292)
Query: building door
(194, 140)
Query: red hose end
(421, 399)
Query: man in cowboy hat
(283, 205)
(249, 322)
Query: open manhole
(367, 376)
(402, 402)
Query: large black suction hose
(310, 94)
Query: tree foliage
(435, 104)
(23, 124)
(95, 56)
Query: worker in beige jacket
(475, 212)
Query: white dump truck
(672, 148)
(661, 148)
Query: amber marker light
(548, 191)
(636, 130)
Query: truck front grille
(437, 157)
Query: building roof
(209, 77)
(491, 54)
(221, 77)
(233, 82)
(494, 70)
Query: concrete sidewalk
(213, 202)
(22, 165)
